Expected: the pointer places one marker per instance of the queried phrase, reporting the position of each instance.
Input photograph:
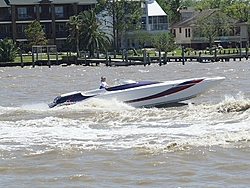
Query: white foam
(35, 106)
(113, 125)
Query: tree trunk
(77, 45)
(210, 45)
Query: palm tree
(8, 50)
(92, 37)
(74, 25)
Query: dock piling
(182, 54)
(21, 57)
(160, 57)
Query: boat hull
(144, 93)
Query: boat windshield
(124, 82)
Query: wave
(54, 133)
(100, 124)
(234, 104)
(103, 111)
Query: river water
(102, 143)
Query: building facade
(183, 32)
(15, 15)
(153, 20)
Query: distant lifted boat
(144, 93)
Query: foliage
(217, 24)
(142, 36)
(35, 34)
(164, 41)
(92, 37)
(238, 9)
(123, 14)
(74, 24)
(173, 8)
(208, 4)
(8, 50)
(85, 33)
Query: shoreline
(129, 61)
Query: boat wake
(232, 104)
(38, 106)
(109, 124)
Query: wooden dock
(132, 60)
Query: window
(237, 31)
(179, 30)
(59, 12)
(163, 19)
(155, 20)
(22, 12)
(21, 28)
(150, 20)
(143, 20)
(174, 32)
(59, 27)
(44, 28)
(187, 33)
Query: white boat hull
(145, 94)
(149, 96)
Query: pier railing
(131, 57)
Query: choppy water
(102, 143)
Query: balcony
(62, 34)
(5, 35)
(151, 27)
(62, 15)
(158, 27)
(6, 17)
(46, 16)
(25, 17)
(21, 35)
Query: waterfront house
(153, 19)
(15, 15)
(183, 31)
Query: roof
(204, 13)
(80, 2)
(28, 2)
(189, 21)
(154, 9)
(3, 3)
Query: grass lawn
(151, 52)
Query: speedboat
(144, 93)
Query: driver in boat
(103, 83)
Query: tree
(92, 37)
(35, 34)
(8, 50)
(164, 41)
(239, 10)
(142, 36)
(208, 4)
(74, 24)
(217, 24)
(123, 14)
(173, 8)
